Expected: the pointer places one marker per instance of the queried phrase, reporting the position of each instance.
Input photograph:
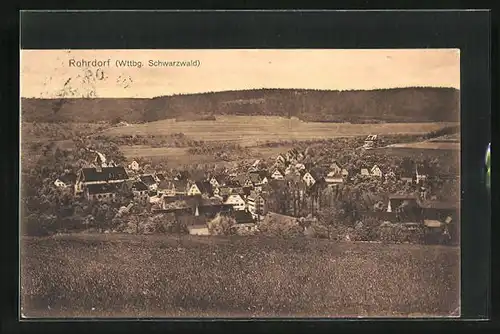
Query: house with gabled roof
(140, 191)
(134, 166)
(159, 177)
(364, 172)
(278, 174)
(440, 210)
(376, 171)
(311, 177)
(167, 187)
(149, 181)
(335, 168)
(255, 166)
(66, 180)
(222, 192)
(422, 173)
(245, 222)
(200, 188)
(218, 180)
(390, 174)
(289, 169)
(334, 177)
(99, 175)
(396, 200)
(256, 204)
(236, 201)
(344, 173)
(407, 175)
(105, 192)
(299, 166)
(280, 159)
(254, 179)
(248, 183)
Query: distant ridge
(413, 104)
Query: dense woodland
(384, 105)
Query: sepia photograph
(240, 183)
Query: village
(263, 192)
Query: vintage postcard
(240, 183)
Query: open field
(419, 152)
(252, 130)
(429, 145)
(180, 155)
(128, 275)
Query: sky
(48, 74)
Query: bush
(221, 225)
(318, 231)
(284, 229)
(398, 233)
(39, 225)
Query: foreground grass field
(252, 130)
(133, 276)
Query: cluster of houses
(245, 194)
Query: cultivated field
(127, 275)
(429, 145)
(180, 155)
(251, 130)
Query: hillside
(386, 105)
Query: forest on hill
(416, 104)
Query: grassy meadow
(155, 276)
(252, 130)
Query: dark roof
(253, 195)
(68, 178)
(180, 184)
(224, 191)
(102, 188)
(439, 205)
(182, 175)
(160, 176)
(315, 174)
(106, 174)
(246, 191)
(204, 186)
(233, 183)
(197, 176)
(148, 179)
(261, 173)
(221, 178)
(281, 170)
(408, 172)
(139, 186)
(243, 217)
(292, 177)
(402, 196)
(165, 184)
(424, 169)
(210, 201)
(255, 178)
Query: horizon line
(241, 90)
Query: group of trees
(389, 105)
(58, 130)
(45, 208)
